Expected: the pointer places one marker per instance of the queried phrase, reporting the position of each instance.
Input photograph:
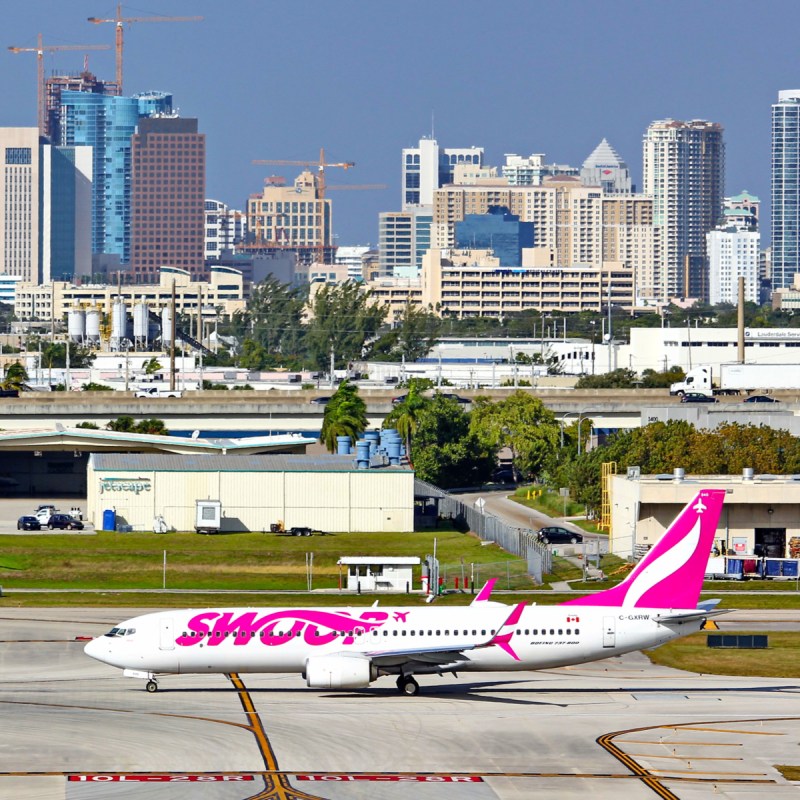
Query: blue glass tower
(499, 230)
(106, 123)
(785, 188)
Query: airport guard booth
(379, 573)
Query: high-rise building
(531, 170)
(428, 166)
(168, 183)
(785, 188)
(292, 218)
(106, 123)
(498, 231)
(403, 239)
(56, 84)
(604, 168)
(734, 251)
(46, 196)
(352, 256)
(226, 229)
(684, 174)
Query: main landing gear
(151, 686)
(407, 685)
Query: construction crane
(120, 21)
(40, 50)
(321, 165)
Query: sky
(365, 78)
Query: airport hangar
(331, 493)
(53, 462)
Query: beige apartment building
(471, 283)
(573, 224)
(223, 294)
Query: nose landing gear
(151, 686)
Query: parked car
(28, 524)
(555, 535)
(696, 397)
(319, 401)
(64, 522)
(504, 475)
(760, 398)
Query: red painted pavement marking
(158, 778)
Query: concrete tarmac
(76, 729)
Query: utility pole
(172, 342)
(67, 380)
(332, 361)
(610, 339)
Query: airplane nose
(94, 649)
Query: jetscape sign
(134, 485)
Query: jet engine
(339, 672)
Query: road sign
(480, 503)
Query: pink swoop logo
(279, 627)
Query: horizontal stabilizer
(688, 616)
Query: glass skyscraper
(499, 231)
(106, 123)
(785, 188)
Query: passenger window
(569, 632)
(386, 633)
(483, 633)
(394, 633)
(438, 633)
(552, 632)
(413, 633)
(560, 632)
(403, 633)
(576, 631)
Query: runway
(72, 728)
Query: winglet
(485, 593)
(503, 640)
(671, 573)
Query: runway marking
(684, 744)
(733, 775)
(685, 758)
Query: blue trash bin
(109, 519)
(790, 569)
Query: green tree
(444, 451)
(254, 355)
(54, 354)
(95, 387)
(345, 415)
(522, 423)
(151, 426)
(15, 378)
(123, 424)
(411, 338)
(617, 379)
(89, 425)
(344, 321)
(152, 366)
(403, 417)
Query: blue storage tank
(343, 445)
(362, 454)
(393, 450)
(372, 437)
(790, 569)
(109, 519)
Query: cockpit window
(113, 632)
(121, 632)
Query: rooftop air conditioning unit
(634, 473)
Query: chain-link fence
(521, 542)
(508, 574)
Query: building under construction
(295, 218)
(82, 82)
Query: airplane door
(167, 637)
(609, 632)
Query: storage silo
(166, 325)
(93, 326)
(76, 324)
(119, 324)
(141, 324)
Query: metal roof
(169, 462)
(402, 561)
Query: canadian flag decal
(573, 619)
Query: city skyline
(366, 81)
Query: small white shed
(379, 573)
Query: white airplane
(348, 648)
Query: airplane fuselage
(282, 640)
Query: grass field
(780, 660)
(241, 562)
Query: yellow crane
(40, 50)
(119, 21)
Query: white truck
(156, 391)
(738, 379)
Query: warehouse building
(327, 493)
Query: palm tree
(16, 377)
(345, 415)
(404, 415)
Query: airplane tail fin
(671, 574)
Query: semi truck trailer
(738, 379)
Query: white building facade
(733, 253)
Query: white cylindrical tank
(76, 324)
(119, 322)
(141, 322)
(93, 325)
(166, 325)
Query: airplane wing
(447, 654)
